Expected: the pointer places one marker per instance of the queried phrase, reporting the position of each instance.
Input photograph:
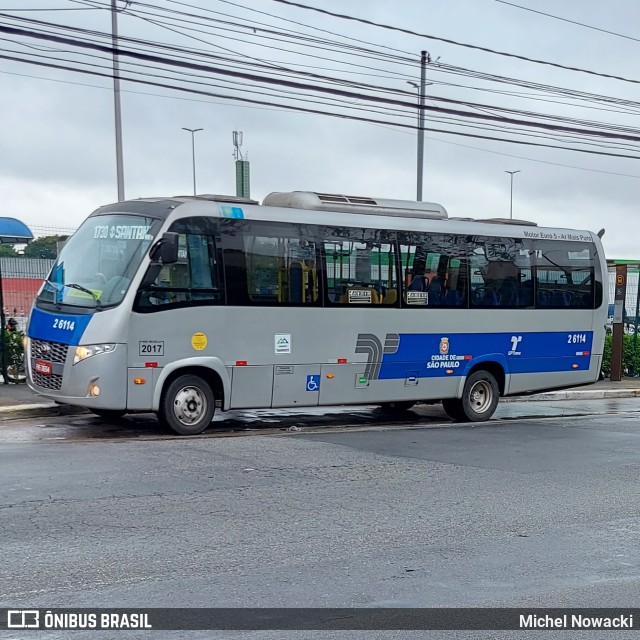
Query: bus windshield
(96, 264)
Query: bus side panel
(141, 383)
(251, 387)
(353, 384)
(296, 385)
(527, 382)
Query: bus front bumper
(97, 382)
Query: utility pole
(116, 99)
(424, 58)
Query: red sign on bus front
(43, 366)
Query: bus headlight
(86, 351)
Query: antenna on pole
(237, 143)
(243, 188)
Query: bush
(14, 355)
(630, 357)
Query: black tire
(397, 407)
(453, 408)
(187, 405)
(109, 414)
(479, 397)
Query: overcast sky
(57, 149)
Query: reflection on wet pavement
(284, 421)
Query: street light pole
(193, 154)
(511, 200)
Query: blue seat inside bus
(437, 291)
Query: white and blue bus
(182, 305)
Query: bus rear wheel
(479, 399)
(188, 405)
(453, 408)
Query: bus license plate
(43, 366)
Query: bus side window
(193, 279)
(360, 268)
(566, 275)
(280, 265)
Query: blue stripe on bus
(432, 355)
(65, 328)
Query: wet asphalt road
(540, 507)
(86, 426)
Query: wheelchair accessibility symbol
(313, 383)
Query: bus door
(275, 278)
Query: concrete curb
(13, 412)
(574, 394)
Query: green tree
(45, 247)
(7, 250)
(630, 355)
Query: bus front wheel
(479, 399)
(188, 405)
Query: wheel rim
(481, 396)
(189, 405)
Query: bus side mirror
(166, 249)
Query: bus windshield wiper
(56, 285)
(79, 287)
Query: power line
(351, 64)
(390, 126)
(580, 24)
(171, 48)
(301, 24)
(446, 68)
(326, 113)
(47, 10)
(305, 86)
(456, 43)
(385, 104)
